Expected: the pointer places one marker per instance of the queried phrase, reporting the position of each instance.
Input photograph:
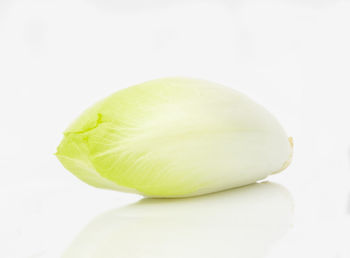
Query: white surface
(58, 57)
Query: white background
(59, 57)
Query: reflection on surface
(120, 5)
(243, 222)
(144, 5)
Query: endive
(174, 137)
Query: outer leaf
(174, 137)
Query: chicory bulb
(174, 137)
